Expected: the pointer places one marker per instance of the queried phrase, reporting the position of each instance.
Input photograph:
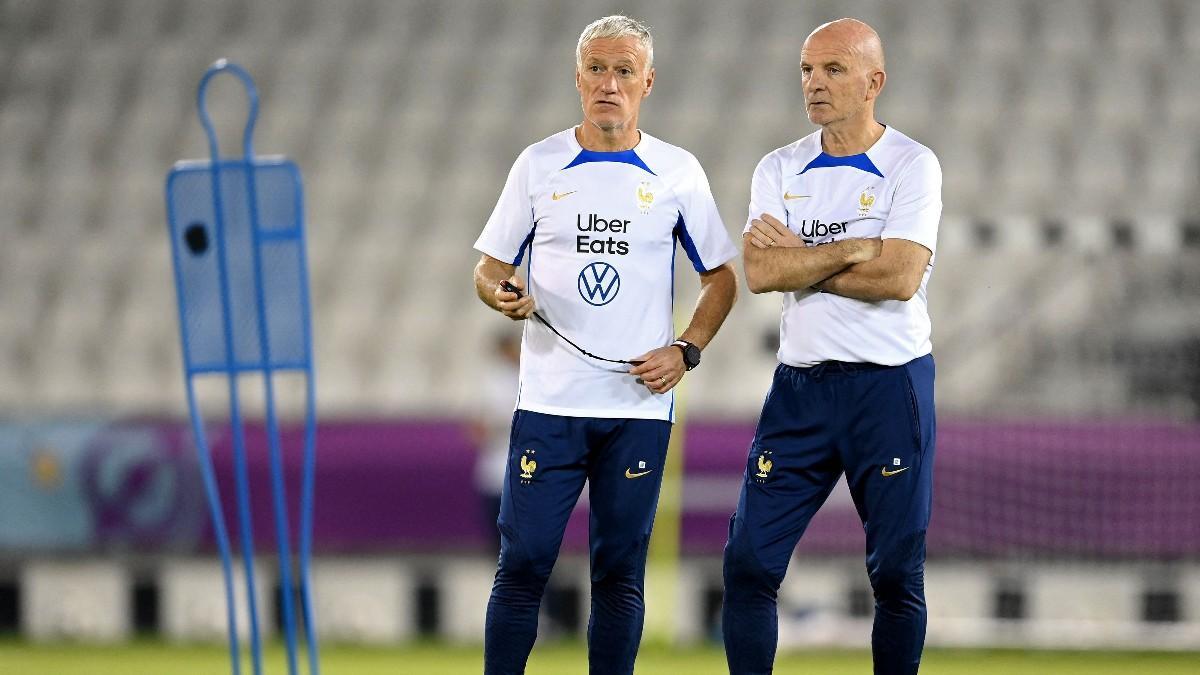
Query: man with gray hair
(596, 212)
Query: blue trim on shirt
(525, 244)
(624, 157)
(528, 324)
(859, 161)
(673, 256)
(671, 412)
(681, 234)
(529, 268)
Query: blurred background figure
(492, 423)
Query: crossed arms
(863, 269)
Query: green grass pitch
(154, 658)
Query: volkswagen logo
(599, 283)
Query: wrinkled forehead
(825, 46)
(606, 50)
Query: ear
(649, 83)
(578, 82)
(875, 84)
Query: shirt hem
(487, 250)
(848, 359)
(906, 237)
(607, 413)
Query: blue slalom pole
(310, 460)
(218, 517)
(278, 489)
(208, 475)
(237, 428)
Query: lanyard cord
(513, 289)
(581, 349)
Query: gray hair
(616, 26)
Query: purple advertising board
(1087, 489)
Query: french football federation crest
(764, 464)
(865, 201)
(645, 197)
(764, 467)
(528, 466)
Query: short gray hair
(612, 27)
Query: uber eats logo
(586, 243)
(811, 230)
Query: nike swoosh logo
(788, 195)
(636, 475)
(556, 196)
(887, 473)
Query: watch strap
(684, 346)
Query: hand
(512, 306)
(767, 232)
(660, 369)
(861, 251)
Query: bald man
(843, 223)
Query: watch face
(691, 353)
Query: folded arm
(777, 260)
(895, 275)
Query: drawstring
(818, 371)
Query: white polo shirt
(892, 191)
(599, 232)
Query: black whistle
(510, 288)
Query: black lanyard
(513, 289)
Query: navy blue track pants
(876, 425)
(550, 457)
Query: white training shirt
(599, 230)
(893, 191)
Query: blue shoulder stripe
(525, 245)
(624, 157)
(859, 161)
(684, 238)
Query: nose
(814, 83)
(609, 83)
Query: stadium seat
(1036, 110)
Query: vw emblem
(599, 283)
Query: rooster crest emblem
(764, 466)
(528, 466)
(865, 201)
(645, 197)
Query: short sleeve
(700, 229)
(508, 230)
(766, 192)
(917, 204)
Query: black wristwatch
(691, 353)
